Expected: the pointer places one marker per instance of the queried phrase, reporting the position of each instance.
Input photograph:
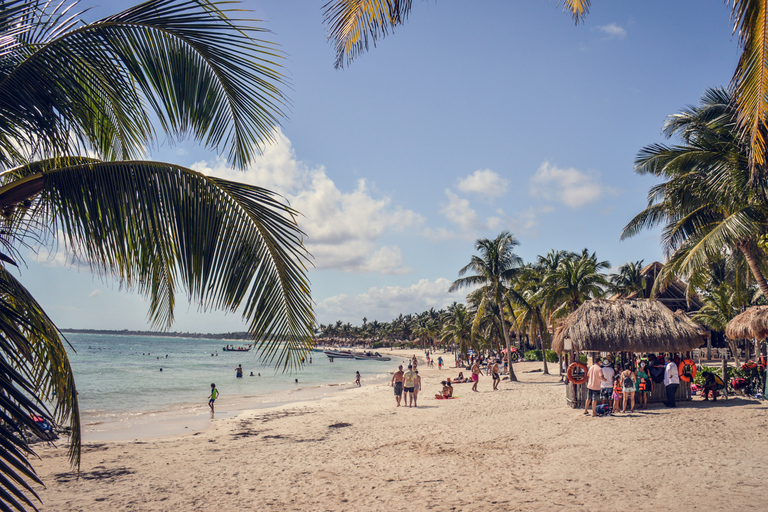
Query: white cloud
(343, 229)
(613, 31)
(485, 182)
(386, 303)
(568, 186)
(95, 293)
(458, 211)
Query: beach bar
(625, 326)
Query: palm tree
(352, 23)
(630, 279)
(527, 299)
(720, 307)
(710, 203)
(457, 329)
(572, 283)
(495, 266)
(156, 227)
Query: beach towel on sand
(446, 397)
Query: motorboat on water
(232, 348)
(339, 353)
(371, 356)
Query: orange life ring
(572, 369)
(681, 369)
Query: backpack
(603, 410)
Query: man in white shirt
(606, 386)
(671, 381)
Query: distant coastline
(126, 332)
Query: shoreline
(195, 417)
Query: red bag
(738, 383)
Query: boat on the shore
(339, 353)
(371, 356)
(236, 349)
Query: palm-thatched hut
(753, 323)
(626, 325)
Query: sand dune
(520, 448)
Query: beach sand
(519, 448)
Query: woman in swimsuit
(628, 379)
(416, 387)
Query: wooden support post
(709, 345)
(725, 378)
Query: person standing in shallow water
(213, 396)
(239, 371)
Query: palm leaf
(750, 81)
(201, 72)
(352, 23)
(158, 227)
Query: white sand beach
(520, 448)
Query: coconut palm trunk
(512, 376)
(749, 254)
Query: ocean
(120, 384)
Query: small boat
(339, 353)
(368, 356)
(236, 349)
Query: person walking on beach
(475, 375)
(594, 378)
(409, 382)
(671, 380)
(357, 378)
(495, 375)
(397, 383)
(214, 395)
(440, 363)
(416, 387)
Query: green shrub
(533, 355)
(378, 344)
(583, 358)
(552, 356)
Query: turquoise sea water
(119, 376)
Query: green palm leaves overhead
(709, 203)
(66, 85)
(69, 89)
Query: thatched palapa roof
(753, 323)
(626, 325)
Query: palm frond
(350, 24)
(157, 227)
(750, 81)
(201, 72)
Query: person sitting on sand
(460, 379)
(447, 391)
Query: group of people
(626, 386)
(408, 382)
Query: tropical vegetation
(81, 103)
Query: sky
(469, 120)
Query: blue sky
(464, 123)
